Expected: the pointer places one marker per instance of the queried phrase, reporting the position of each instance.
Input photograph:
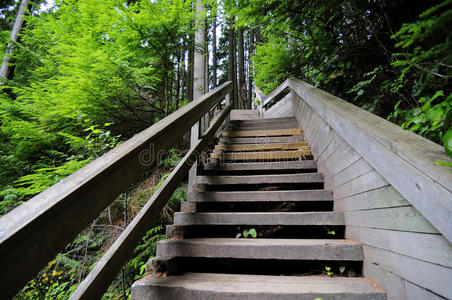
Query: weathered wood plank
(275, 93)
(300, 249)
(244, 114)
(263, 166)
(261, 140)
(341, 159)
(405, 159)
(354, 170)
(405, 218)
(283, 108)
(106, 269)
(396, 288)
(272, 132)
(261, 179)
(253, 147)
(263, 196)
(281, 125)
(383, 197)
(261, 218)
(277, 155)
(432, 248)
(369, 181)
(45, 224)
(430, 276)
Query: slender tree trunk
(6, 70)
(206, 55)
(199, 59)
(190, 67)
(214, 49)
(232, 72)
(250, 71)
(241, 63)
(178, 77)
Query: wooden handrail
(405, 159)
(107, 268)
(33, 233)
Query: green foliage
(248, 233)
(328, 271)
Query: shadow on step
(263, 267)
(266, 232)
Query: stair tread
(292, 249)
(262, 166)
(260, 218)
(234, 286)
(268, 132)
(261, 139)
(260, 179)
(263, 146)
(263, 196)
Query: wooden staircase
(261, 176)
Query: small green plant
(329, 231)
(342, 269)
(247, 233)
(328, 271)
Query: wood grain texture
(396, 287)
(261, 179)
(276, 155)
(254, 147)
(427, 275)
(432, 248)
(405, 159)
(270, 132)
(405, 218)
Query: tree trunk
(241, 62)
(206, 55)
(232, 70)
(5, 70)
(214, 49)
(190, 67)
(250, 71)
(199, 87)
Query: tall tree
(214, 47)
(250, 69)
(241, 70)
(6, 71)
(232, 70)
(199, 87)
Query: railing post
(261, 97)
(194, 138)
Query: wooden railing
(404, 159)
(33, 233)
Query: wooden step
(284, 249)
(262, 126)
(272, 132)
(262, 166)
(250, 156)
(194, 286)
(263, 196)
(261, 218)
(261, 140)
(262, 147)
(265, 121)
(261, 179)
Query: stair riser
(320, 218)
(270, 196)
(262, 179)
(170, 249)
